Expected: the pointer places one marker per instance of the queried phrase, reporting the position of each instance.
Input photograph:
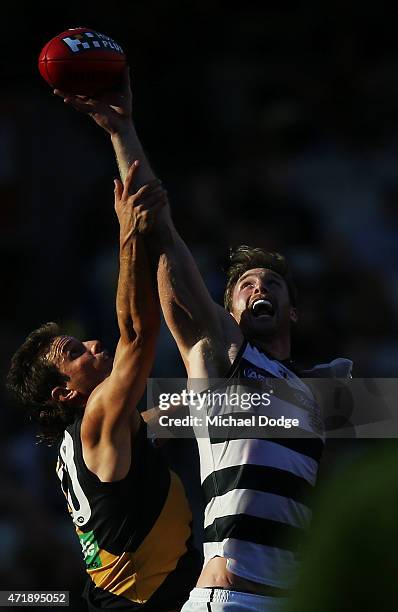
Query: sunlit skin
(85, 363)
(270, 331)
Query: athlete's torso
(257, 490)
(135, 533)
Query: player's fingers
(142, 212)
(145, 197)
(149, 198)
(149, 213)
(65, 95)
(81, 103)
(85, 107)
(72, 97)
(145, 218)
(130, 176)
(118, 190)
(153, 187)
(147, 188)
(138, 195)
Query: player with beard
(256, 490)
(129, 510)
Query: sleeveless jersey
(257, 490)
(135, 533)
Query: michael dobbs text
(214, 399)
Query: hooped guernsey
(258, 490)
(135, 533)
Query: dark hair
(244, 258)
(31, 379)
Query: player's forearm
(126, 328)
(188, 308)
(128, 148)
(137, 302)
(144, 300)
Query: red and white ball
(82, 61)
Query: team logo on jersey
(90, 550)
(254, 373)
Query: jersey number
(78, 502)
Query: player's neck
(277, 347)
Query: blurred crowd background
(269, 126)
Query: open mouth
(262, 308)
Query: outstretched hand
(111, 110)
(138, 213)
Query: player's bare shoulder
(212, 355)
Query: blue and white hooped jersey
(257, 490)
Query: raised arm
(112, 111)
(111, 419)
(190, 312)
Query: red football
(82, 61)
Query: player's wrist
(122, 130)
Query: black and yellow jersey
(135, 533)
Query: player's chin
(265, 324)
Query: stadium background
(271, 126)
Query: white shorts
(218, 600)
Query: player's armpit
(116, 399)
(111, 419)
(168, 422)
